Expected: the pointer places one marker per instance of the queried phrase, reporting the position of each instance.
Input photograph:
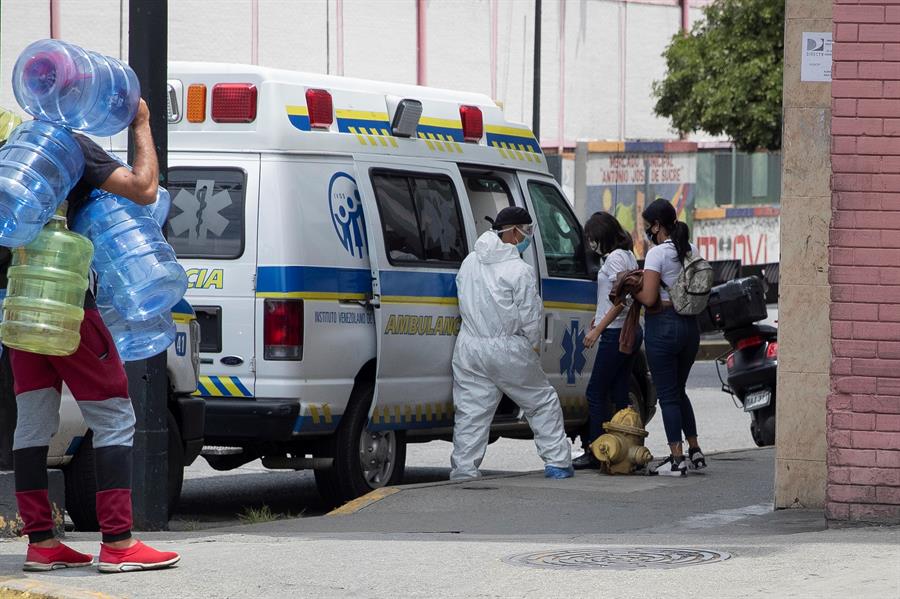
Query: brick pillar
(863, 422)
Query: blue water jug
(131, 256)
(67, 85)
(39, 164)
(135, 339)
(159, 209)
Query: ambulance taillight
(283, 329)
(234, 103)
(472, 123)
(320, 107)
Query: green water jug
(44, 304)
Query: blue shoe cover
(557, 472)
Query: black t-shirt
(98, 166)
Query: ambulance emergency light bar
(406, 114)
(472, 123)
(320, 107)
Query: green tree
(726, 76)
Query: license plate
(757, 400)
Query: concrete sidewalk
(459, 540)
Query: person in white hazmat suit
(496, 351)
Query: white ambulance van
(322, 221)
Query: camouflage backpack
(690, 293)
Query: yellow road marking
(351, 507)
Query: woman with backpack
(611, 374)
(672, 337)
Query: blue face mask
(523, 245)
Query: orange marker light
(196, 103)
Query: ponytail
(681, 238)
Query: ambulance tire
(81, 482)
(345, 480)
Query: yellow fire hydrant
(622, 449)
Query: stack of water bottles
(139, 280)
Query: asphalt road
(212, 498)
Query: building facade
(863, 409)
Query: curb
(28, 588)
(351, 507)
(360, 503)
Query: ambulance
(322, 221)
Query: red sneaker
(43, 559)
(137, 557)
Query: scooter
(751, 364)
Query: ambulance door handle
(549, 319)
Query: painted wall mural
(750, 235)
(624, 183)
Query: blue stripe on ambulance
(440, 133)
(313, 282)
(571, 294)
(299, 117)
(514, 142)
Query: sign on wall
(815, 62)
(623, 184)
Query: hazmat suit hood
(491, 250)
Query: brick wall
(863, 422)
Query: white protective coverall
(495, 354)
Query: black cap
(512, 215)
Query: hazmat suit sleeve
(529, 304)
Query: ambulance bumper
(228, 420)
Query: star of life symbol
(573, 360)
(347, 214)
(200, 211)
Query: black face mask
(650, 234)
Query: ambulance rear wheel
(363, 460)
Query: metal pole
(421, 40)
(536, 86)
(147, 379)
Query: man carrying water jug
(96, 377)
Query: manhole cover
(618, 558)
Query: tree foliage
(726, 76)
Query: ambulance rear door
(568, 291)
(416, 213)
(213, 228)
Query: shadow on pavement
(213, 501)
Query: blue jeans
(609, 382)
(672, 344)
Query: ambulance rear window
(420, 219)
(207, 215)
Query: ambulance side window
(420, 219)
(560, 232)
(207, 215)
(487, 196)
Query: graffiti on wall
(623, 184)
(752, 240)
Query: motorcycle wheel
(762, 427)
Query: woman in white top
(611, 374)
(672, 339)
